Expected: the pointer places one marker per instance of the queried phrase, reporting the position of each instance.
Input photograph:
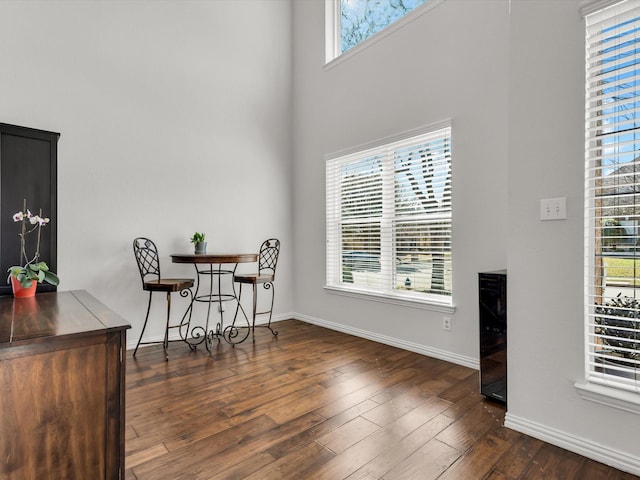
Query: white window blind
(389, 218)
(612, 200)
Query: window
(351, 22)
(389, 219)
(612, 200)
(360, 19)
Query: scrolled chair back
(268, 259)
(147, 257)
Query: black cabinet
(493, 334)
(28, 170)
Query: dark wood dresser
(62, 388)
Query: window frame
(333, 283)
(333, 55)
(599, 385)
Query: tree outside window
(360, 19)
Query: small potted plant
(198, 239)
(25, 277)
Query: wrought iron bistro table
(211, 265)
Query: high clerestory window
(389, 219)
(349, 23)
(612, 200)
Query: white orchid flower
(18, 216)
(37, 219)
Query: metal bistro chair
(148, 261)
(267, 262)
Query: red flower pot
(19, 291)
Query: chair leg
(165, 344)
(255, 304)
(273, 296)
(146, 318)
(235, 317)
(183, 327)
(267, 286)
(238, 304)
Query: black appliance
(493, 334)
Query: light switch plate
(553, 208)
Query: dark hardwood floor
(318, 404)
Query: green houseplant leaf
(198, 237)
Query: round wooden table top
(214, 257)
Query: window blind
(389, 218)
(612, 196)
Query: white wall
(449, 63)
(174, 117)
(545, 259)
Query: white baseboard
(614, 458)
(394, 342)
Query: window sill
(611, 397)
(405, 302)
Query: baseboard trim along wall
(581, 446)
(394, 342)
(463, 360)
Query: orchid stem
(23, 253)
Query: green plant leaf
(33, 271)
(15, 271)
(198, 237)
(51, 278)
(42, 266)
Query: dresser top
(54, 315)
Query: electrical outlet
(221, 307)
(446, 323)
